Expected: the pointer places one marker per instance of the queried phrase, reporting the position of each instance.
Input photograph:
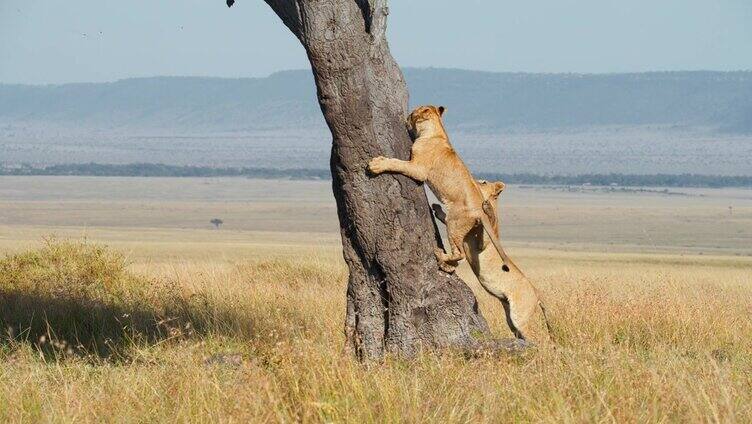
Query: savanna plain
(121, 302)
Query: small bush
(80, 297)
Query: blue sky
(57, 41)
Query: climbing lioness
(517, 294)
(434, 161)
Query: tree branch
(379, 12)
(289, 12)
(374, 15)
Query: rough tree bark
(397, 299)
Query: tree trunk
(398, 301)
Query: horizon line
(282, 71)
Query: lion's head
(425, 117)
(491, 190)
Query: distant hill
(188, 103)
(501, 123)
(476, 101)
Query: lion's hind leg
(520, 307)
(457, 230)
(511, 319)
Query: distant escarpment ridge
(482, 101)
(163, 170)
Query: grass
(639, 339)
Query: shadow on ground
(79, 299)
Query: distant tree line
(627, 180)
(162, 170)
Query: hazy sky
(54, 41)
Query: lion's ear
(441, 110)
(498, 188)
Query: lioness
(517, 294)
(433, 160)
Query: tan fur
(434, 161)
(518, 295)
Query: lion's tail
(495, 240)
(545, 318)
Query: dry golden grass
(639, 338)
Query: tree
(216, 222)
(397, 299)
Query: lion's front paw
(441, 257)
(378, 165)
(447, 267)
